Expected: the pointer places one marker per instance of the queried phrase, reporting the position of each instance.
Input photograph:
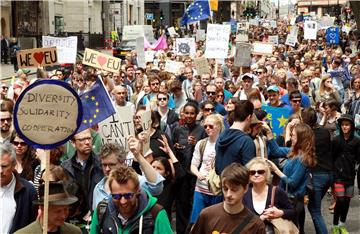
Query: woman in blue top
(294, 176)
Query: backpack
(102, 209)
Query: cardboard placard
(262, 48)
(146, 125)
(140, 52)
(118, 127)
(185, 46)
(243, 55)
(102, 61)
(200, 35)
(66, 47)
(39, 57)
(274, 40)
(310, 30)
(47, 114)
(217, 41)
(201, 65)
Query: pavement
(7, 72)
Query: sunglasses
(209, 109)
(153, 84)
(210, 93)
(209, 126)
(127, 196)
(296, 100)
(259, 172)
(16, 143)
(162, 99)
(6, 119)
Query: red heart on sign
(39, 56)
(101, 60)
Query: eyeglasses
(209, 109)
(162, 99)
(259, 172)
(127, 196)
(296, 100)
(210, 93)
(17, 143)
(208, 126)
(137, 73)
(84, 139)
(110, 165)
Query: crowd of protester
(199, 124)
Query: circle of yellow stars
(198, 16)
(85, 121)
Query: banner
(217, 41)
(185, 46)
(118, 127)
(201, 65)
(277, 117)
(66, 47)
(310, 30)
(100, 60)
(39, 57)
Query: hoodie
(233, 145)
(346, 153)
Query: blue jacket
(233, 145)
(296, 175)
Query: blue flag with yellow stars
(277, 118)
(198, 10)
(97, 106)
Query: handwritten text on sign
(48, 113)
(101, 61)
(118, 127)
(217, 39)
(37, 57)
(66, 47)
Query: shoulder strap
(273, 196)
(202, 149)
(101, 209)
(155, 210)
(245, 221)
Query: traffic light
(249, 12)
(161, 15)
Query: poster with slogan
(201, 65)
(262, 48)
(243, 55)
(103, 61)
(274, 40)
(291, 40)
(200, 35)
(39, 57)
(66, 47)
(118, 127)
(217, 41)
(185, 46)
(310, 30)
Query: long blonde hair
(322, 87)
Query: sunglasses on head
(259, 172)
(127, 196)
(208, 126)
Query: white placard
(291, 40)
(131, 32)
(310, 30)
(242, 37)
(200, 35)
(254, 22)
(274, 40)
(172, 31)
(146, 126)
(185, 46)
(217, 41)
(326, 22)
(149, 56)
(140, 52)
(294, 31)
(262, 48)
(118, 127)
(66, 47)
(273, 23)
(173, 66)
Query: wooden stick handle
(46, 193)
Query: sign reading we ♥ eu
(39, 57)
(102, 61)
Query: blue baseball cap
(273, 88)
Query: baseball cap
(273, 88)
(22, 71)
(247, 76)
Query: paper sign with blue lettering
(333, 35)
(277, 117)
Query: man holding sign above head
(85, 170)
(59, 205)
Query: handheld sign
(39, 57)
(202, 66)
(66, 47)
(101, 60)
(47, 114)
(243, 55)
(217, 41)
(262, 48)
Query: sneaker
(343, 230)
(336, 230)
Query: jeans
(201, 201)
(321, 183)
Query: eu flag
(198, 10)
(277, 117)
(97, 106)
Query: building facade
(320, 7)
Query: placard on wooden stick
(47, 114)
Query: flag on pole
(97, 106)
(198, 10)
